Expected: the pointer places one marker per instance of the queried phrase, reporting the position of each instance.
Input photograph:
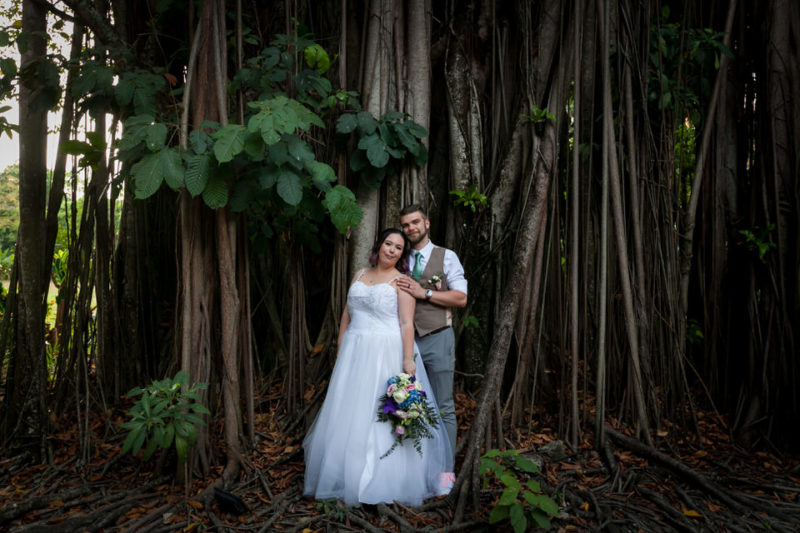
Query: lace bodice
(373, 308)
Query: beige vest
(427, 316)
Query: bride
(344, 445)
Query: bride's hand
(409, 367)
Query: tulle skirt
(344, 445)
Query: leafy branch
(384, 145)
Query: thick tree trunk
(378, 98)
(25, 405)
(418, 92)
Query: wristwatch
(428, 294)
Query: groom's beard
(419, 238)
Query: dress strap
(395, 279)
(360, 274)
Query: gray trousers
(438, 353)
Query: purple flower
(389, 406)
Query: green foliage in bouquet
(166, 413)
(518, 503)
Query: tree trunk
(26, 407)
(533, 216)
(418, 93)
(378, 71)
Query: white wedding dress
(344, 445)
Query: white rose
(400, 395)
(413, 414)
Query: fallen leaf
(692, 513)
(195, 504)
(318, 348)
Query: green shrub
(165, 414)
(518, 503)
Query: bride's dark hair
(402, 263)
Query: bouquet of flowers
(405, 407)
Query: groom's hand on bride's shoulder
(410, 286)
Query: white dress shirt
(453, 271)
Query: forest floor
(684, 482)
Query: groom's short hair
(413, 208)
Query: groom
(438, 284)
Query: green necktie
(416, 273)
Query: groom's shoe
(446, 482)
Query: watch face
(428, 293)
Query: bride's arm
(345, 321)
(405, 304)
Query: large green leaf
(322, 175)
(346, 123)
(516, 515)
(375, 149)
(150, 449)
(182, 447)
(173, 168)
(305, 117)
(543, 502)
(366, 122)
(299, 150)
(215, 195)
(290, 187)
(393, 116)
(526, 464)
(156, 136)
(169, 434)
(74, 147)
(541, 519)
(198, 171)
(134, 131)
(509, 480)
(377, 154)
(138, 441)
(316, 57)
(131, 438)
(148, 174)
(268, 131)
(279, 153)
(123, 92)
(284, 118)
(254, 146)
(509, 496)
(268, 176)
(358, 161)
(416, 130)
(200, 141)
(499, 512)
(341, 204)
(230, 141)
